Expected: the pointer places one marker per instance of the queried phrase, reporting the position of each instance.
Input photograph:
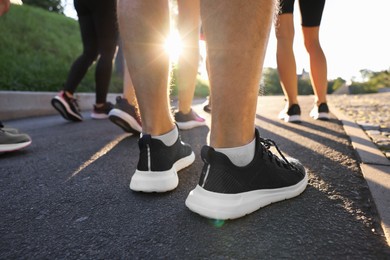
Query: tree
(270, 84)
(50, 5)
(335, 84)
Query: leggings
(311, 10)
(99, 34)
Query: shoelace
(267, 143)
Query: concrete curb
(21, 104)
(374, 165)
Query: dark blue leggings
(99, 34)
(311, 10)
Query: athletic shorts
(311, 10)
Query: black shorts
(311, 10)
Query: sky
(354, 35)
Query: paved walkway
(66, 196)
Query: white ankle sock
(241, 155)
(169, 138)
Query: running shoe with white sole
(189, 120)
(291, 114)
(101, 112)
(226, 191)
(320, 112)
(158, 164)
(67, 107)
(125, 116)
(13, 141)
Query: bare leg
(237, 34)
(128, 88)
(285, 57)
(188, 25)
(236, 55)
(144, 26)
(318, 67)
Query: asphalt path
(67, 196)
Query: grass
(37, 48)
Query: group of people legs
(240, 173)
(99, 31)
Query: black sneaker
(226, 191)
(13, 141)
(291, 114)
(125, 116)
(320, 112)
(102, 112)
(189, 120)
(158, 164)
(67, 107)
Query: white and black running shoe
(10, 141)
(320, 112)
(189, 120)
(67, 107)
(226, 191)
(158, 164)
(125, 116)
(102, 112)
(291, 114)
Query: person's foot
(8, 129)
(207, 105)
(13, 141)
(291, 114)
(67, 107)
(101, 112)
(207, 108)
(189, 121)
(125, 116)
(226, 191)
(320, 112)
(158, 164)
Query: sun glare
(173, 46)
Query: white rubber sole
(63, 108)
(189, 125)
(127, 118)
(320, 116)
(231, 206)
(162, 181)
(289, 119)
(98, 116)
(13, 147)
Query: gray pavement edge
(374, 166)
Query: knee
(107, 54)
(312, 46)
(284, 36)
(90, 55)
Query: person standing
(311, 14)
(99, 34)
(240, 174)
